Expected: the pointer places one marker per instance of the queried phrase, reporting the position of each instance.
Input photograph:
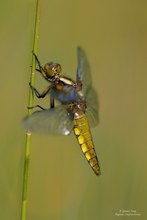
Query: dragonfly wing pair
(51, 121)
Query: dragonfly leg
(36, 106)
(41, 70)
(38, 70)
(37, 60)
(39, 95)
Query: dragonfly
(77, 108)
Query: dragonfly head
(52, 70)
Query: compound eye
(48, 69)
(56, 68)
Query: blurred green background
(61, 184)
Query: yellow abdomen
(83, 134)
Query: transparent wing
(92, 110)
(50, 121)
(84, 77)
(83, 71)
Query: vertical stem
(30, 103)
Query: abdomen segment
(83, 134)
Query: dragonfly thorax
(52, 71)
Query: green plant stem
(30, 103)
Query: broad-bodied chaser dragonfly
(78, 108)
